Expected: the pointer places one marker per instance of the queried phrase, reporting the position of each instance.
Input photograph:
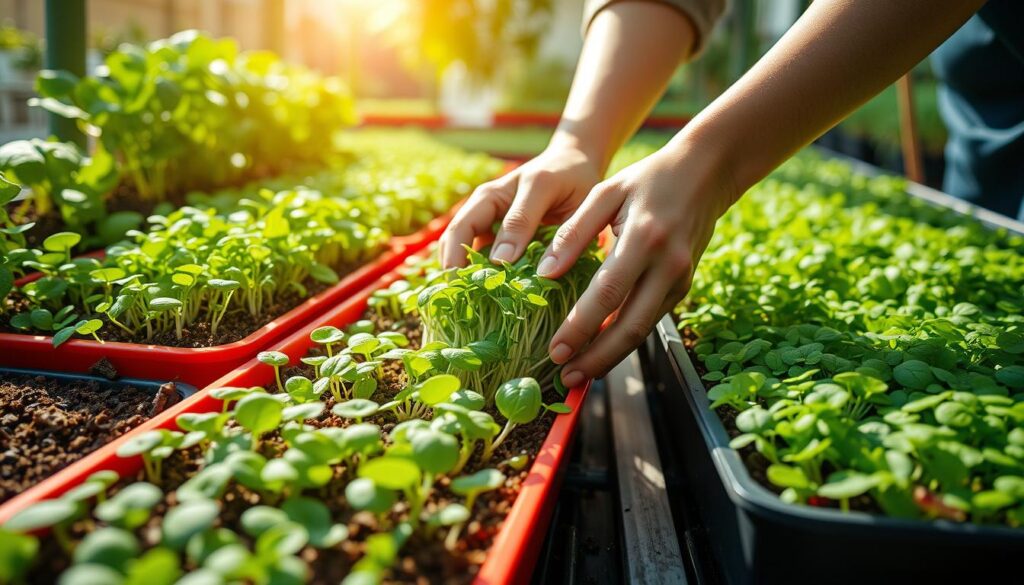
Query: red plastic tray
(517, 539)
(200, 366)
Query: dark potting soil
(123, 198)
(233, 328)
(47, 424)
(423, 560)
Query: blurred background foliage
(399, 58)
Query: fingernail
(503, 252)
(561, 353)
(546, 266)
(573, 379)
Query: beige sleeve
(702, 13)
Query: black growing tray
(184, 390)
(757, 538)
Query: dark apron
(981, 99)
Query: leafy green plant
(505, 314)
(62, 178)
(866, 345)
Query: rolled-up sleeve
(702, 13)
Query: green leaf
(357, 408)
(258, 413)
(61, 241)
(1012, 376)
(519, 400)
(914, 374)
(364, 494)
(185, 520)
(273, 358)
(42, 515)
(394, 473)
(845, 485)
(439, 388)
(787, 476)
(434, 451)
(483, 480)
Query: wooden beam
(913, 167)
(652, 553)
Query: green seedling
(130, 507)
(328, 337)
(17, 554)
(504, 314)
(258, 413)
(454, 516)
(364, 494)
(94, 486)
(276, 360)
(155, 446)
(230, 394)
(471, 486)
(414, 400)
(57, 515)
(520, 402)
(356, 409)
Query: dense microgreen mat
(234, 252)
(411, 448)
(868, 345)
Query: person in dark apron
(981, 99)
(663, 209)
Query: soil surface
(423, 559)
(123, 198)
(47, 424)
(234, 327)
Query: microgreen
(503, 314)
(858, 355)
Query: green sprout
(276, 360)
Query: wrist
(594, 148)
(709, 165)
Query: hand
(663, 210)
(547, 189)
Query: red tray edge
(533, 506)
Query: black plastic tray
(757, 538)
(184, 390)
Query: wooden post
(913, 167)
(65, 49)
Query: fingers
(657, 293)
(608, 289)
(487, 203)
(528, 208)
(573, 237)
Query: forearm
(838, 55)
(629, 54)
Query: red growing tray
(517, 539)
(200, 366)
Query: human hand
(663, 211)
(547, 189)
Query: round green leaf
(258, 413)
(481, 481)
(434, 451)
(42, 515)
(364, 494)
(519, 400)
(395, 473)
(185, 520)
(273, 358)
(437, 389)
(357, 408)
(61, 241)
